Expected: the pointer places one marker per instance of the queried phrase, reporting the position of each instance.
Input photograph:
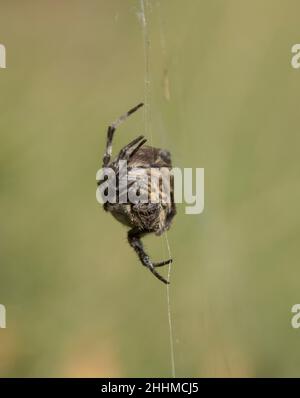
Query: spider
(142, 218)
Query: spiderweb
(144, 11)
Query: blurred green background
(223, 96)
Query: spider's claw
(134, 239)
(158, 276)
(148, 263)
(162, 263)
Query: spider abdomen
(148, 206)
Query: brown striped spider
(142, 218)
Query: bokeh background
(223, 96)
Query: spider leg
(134, 239)
(130, 149)
(125, 154)
(110, 133)
(162, 263)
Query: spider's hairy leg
(130, 149)
(134, 239)
(162, 263)
(110, 133)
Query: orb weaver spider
(142, 218)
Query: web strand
(172, 352)
(148, 131)
(147, 81)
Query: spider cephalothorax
(155, 215)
